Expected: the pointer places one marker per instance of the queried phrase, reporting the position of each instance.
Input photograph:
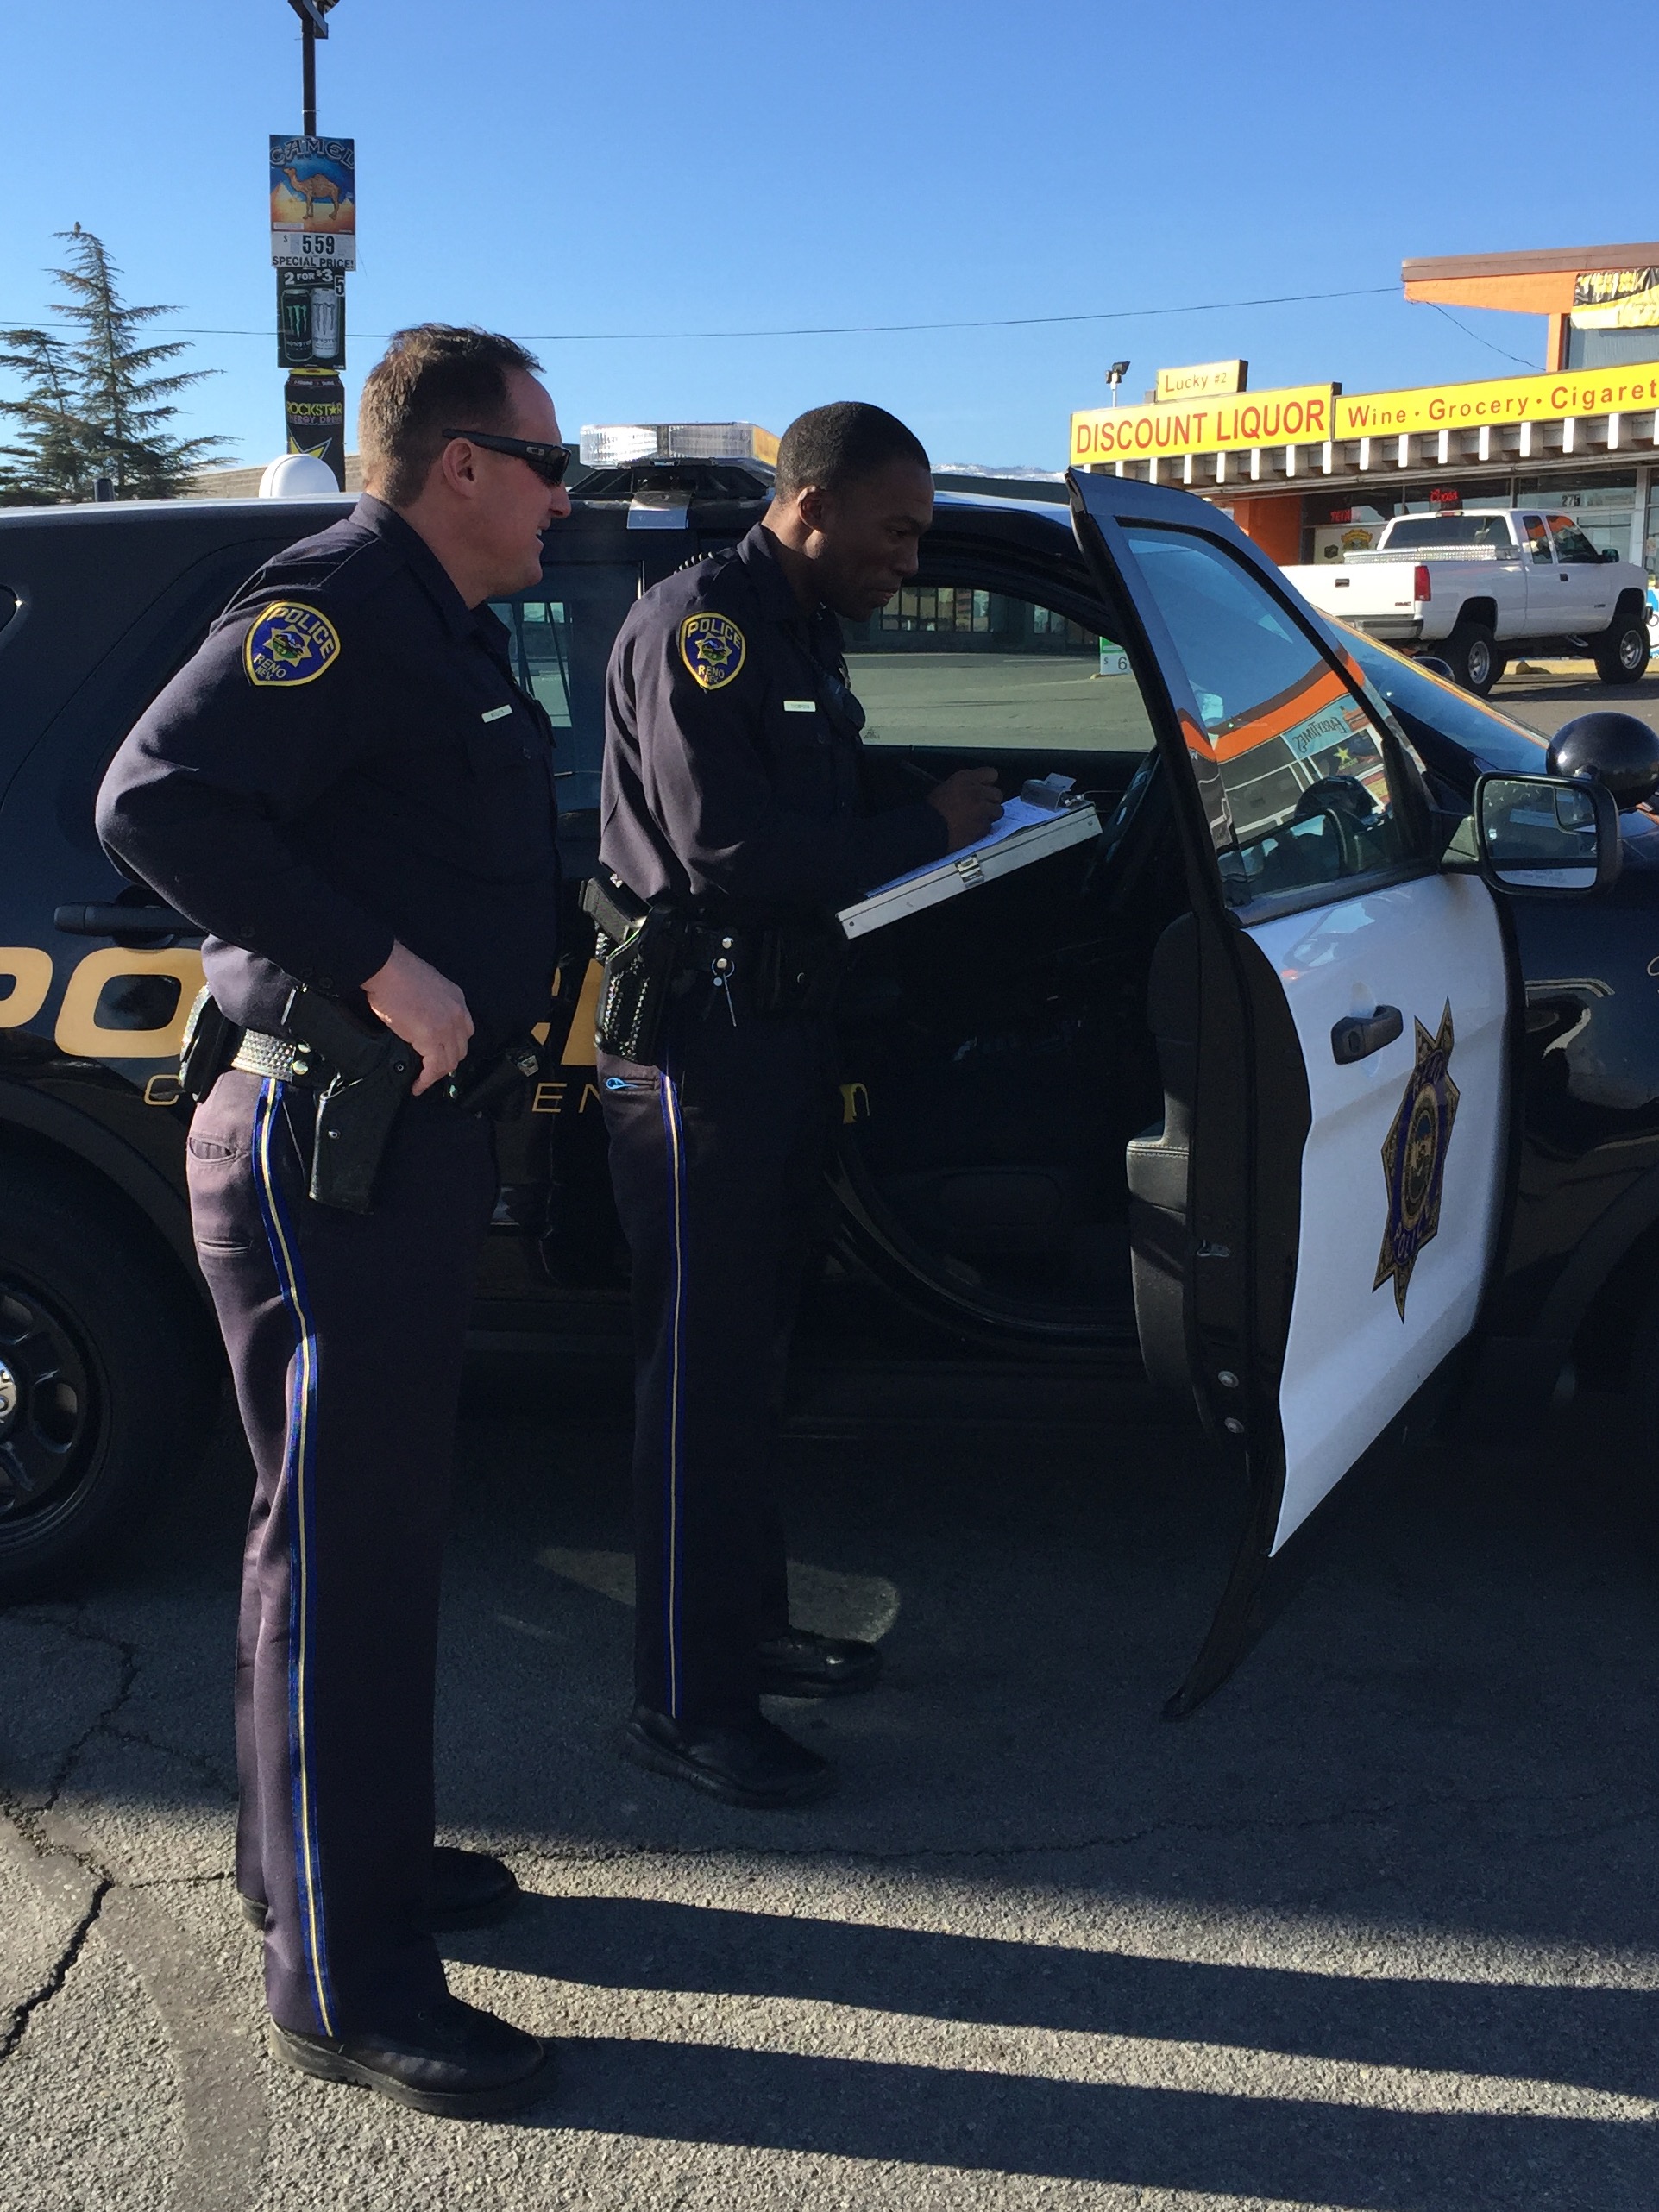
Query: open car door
(1314, 1225)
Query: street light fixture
(1114, 375)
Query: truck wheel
(1476, 661)
(106, 1380)
(1621, 652)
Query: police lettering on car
(347, 788)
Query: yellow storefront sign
(1293, 416)
(1547, 398)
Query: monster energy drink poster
(310, 318)
(315, 405)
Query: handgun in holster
(372, 1072)
(640, 948)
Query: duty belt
(258, 1053)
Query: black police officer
(736, 789)
(347, 788)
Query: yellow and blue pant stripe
(298, 1484)
(674, 1410)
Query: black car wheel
(106, 1377)
(1622, 653)
(1476, 663)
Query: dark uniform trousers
(345, 1336)
(717, 1160)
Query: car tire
(107, 1377)
(1623, 651)
(1475, 658)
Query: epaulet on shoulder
(339, 576)
(717, 580)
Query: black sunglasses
(550, 461)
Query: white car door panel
(1310, 836)
(1401, 1172)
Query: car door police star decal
(1414, 1157)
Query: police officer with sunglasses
(347, 791)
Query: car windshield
(1449, 530)
(1449, 728)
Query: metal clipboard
(976, 864)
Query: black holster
(373, 1071)
(640, 948)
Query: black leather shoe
(468, 1889)
(450, 2058)
(752, 1764)
(800, 1664)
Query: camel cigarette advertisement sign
(314, 202)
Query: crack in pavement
(57, 1973)
(225, 2120)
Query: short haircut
(836, 445)
(433, 377)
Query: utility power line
(846, 330)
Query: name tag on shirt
(495, 713)
(800, 706)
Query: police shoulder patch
(289, 643)
(712, 646)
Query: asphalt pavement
(1548, 694)
(1377, 1927)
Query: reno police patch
(289, 643)
(713, 649)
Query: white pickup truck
(1468, 588)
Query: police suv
(1326, 1070)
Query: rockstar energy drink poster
(314, 402)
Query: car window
(1451, 530)
(541, 652)
(1537, 537)
(1303, 764)
(1441, 720)
(960, 669)
(562, 636)
(1571, 543)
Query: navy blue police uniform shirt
(734, 771)
(346, 761)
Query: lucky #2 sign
(314, 203)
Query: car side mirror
(1610, 553)
(1554, 835)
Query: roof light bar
(613, 445)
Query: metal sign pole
(311, 292)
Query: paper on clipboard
(1022, 832)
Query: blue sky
(671, 165)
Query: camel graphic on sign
(314, 186)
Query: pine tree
(55, 462)
(95, 407)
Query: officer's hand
(426, 1010)
(969, 802)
